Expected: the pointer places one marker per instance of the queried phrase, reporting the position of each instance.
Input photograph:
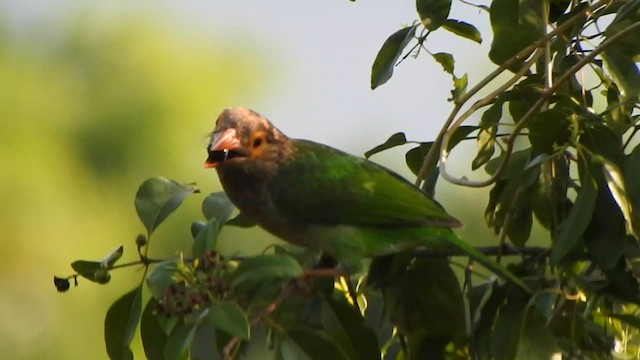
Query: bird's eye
(257, 142)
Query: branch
(524, 121)
(431, 158)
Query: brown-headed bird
(319, 197)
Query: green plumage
(319, 197)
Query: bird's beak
(221, 144)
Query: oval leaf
(433, 13)
(393, 141)
(160, 277)
(229, 317)
(217, 206)
(153, 336)
(385, 61)
(87, 269)
(576, 223)
(263, 268)
(615, 182)
(206, 239)
(463, 29)
(316, 346)
(179, 342)
(121, 322)
(346, 327)
(157, 198)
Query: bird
(322, 198)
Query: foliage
(556, 139)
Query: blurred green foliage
(89, 108)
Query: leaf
(628, 319)
(121, 322)
(517, 163)
(206, 238)
(160, 277)
(516, 24)
(548, 129)
(506, 334)
(446, 60)
(415, 156)
(87, 269)
(241, 221)
(463, 29)
(486, 147)
(459, 88)
(459, 135)
(623, 70)
(433, 13)
(346, 327)
(154, 339)
(157, 198)
(229, 317)
(615, 181)
(572, 228)
(393, 141)
(263, 268)
(217, 206)
(316, 345)
(385, 61)
(179, 342)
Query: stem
(431, 158)
(524, 121)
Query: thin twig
(524, 121)
(432, 156)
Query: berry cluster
(200, 283)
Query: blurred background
(97, 97)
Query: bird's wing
(324, 186)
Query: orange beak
(221, 144)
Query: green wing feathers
(322, 185)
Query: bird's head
(243, 136)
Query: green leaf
(241, 221)
(459, 135)
(385, 61)
(154, 339)
(433, 13)
(517, 163)
(346, 327)
(179, 342)
(121, 322)
(506, 334)
(228, 316)
(87, 269)
(446, 60)
(463, 29)
(548, 129)
(615, 181)
(624, 71)
(206, 238)
(157, 198)
(160, 277)
(316, 345)
(459, 88)
(486, 146)
(516, 24)
(415, 156)
(628, 319)
(217, 206)
(263, 268)
(577, 221)
(393, 141)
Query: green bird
(319, 197)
